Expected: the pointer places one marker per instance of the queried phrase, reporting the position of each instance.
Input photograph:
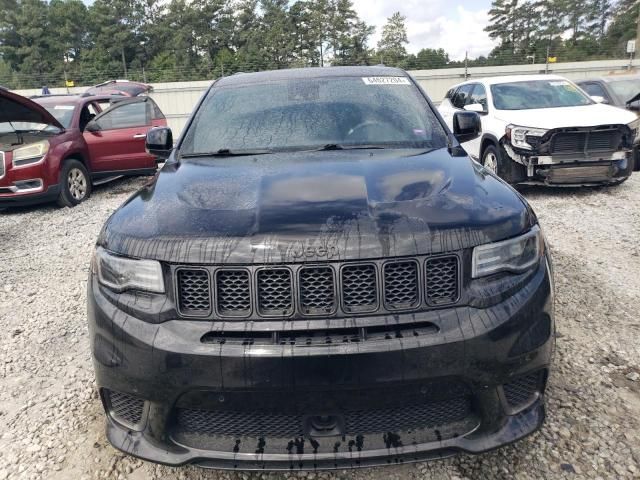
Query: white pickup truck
(543, 129)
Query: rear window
(527, 95)
(309, 113)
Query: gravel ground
(51, 422)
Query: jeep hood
(16, 108)
(354, 204)
(582, 116)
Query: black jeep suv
(320, 277)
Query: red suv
(55, 148)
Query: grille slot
(275, 292)
(601, 141)
(125, 408)
(194, 297)
(442, 280)
(521, 391)
(359, 288)
(317, 290)
(401, 285)
(2, 166)
(568, 143)
(233, 292)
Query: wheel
(496, 160)
(75, 184)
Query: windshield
(62, 113)
(312, 113)
(626, 89)
(532, 94)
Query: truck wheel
(496, 160)
(75, 184)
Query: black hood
(16, 108)
(315, 206)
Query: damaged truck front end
(577, 156)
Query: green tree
(391, 47)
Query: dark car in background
(320, 277)
(617, 90)
(125, 88)
(56, 147)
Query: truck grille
(300, 290)
(585, 142)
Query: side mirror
(476, 107)
(466, 126)
(92, 127)
(159, 142)
(598, 99)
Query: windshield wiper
(337, 146)
(226, 152)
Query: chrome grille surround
(3, 167)
(330, 289)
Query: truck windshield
(527, 95)
(626, 89)
(300, 114)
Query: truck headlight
(120, 273)
(524, 137)
(514, 255)
(30, 154)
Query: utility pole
(124, 63)
(466, 65)
(546, 63)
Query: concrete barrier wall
(177, 99)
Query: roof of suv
(305, 73)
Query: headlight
(513, 255)
(30, 154)
(524, 137)
(120, 273)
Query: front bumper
(19, 199)
(372, 393)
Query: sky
(456, 26)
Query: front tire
(497, 161)
(75, 184)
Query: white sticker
(559, 83)
(386, 81)
(64, 107)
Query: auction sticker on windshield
(386, 81)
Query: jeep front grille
(331, 289)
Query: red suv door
(116, 137)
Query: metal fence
(177, 99)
